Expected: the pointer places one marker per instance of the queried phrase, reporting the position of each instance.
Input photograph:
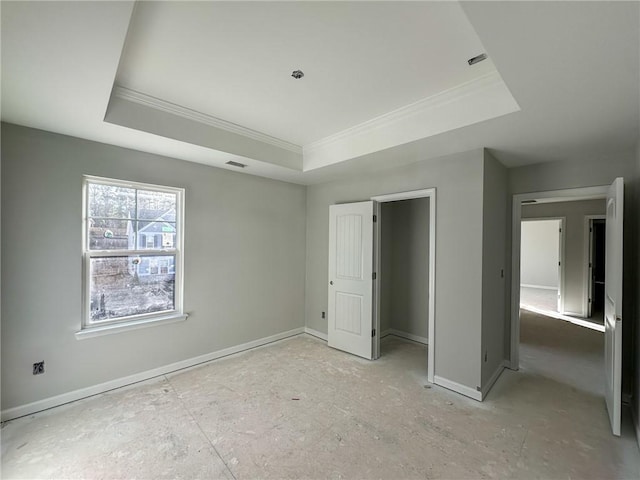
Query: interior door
(350, 321)
(560, 302)
(613, 303)
(591, 277)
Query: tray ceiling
(385, 83)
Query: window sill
(97, 331)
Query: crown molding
(184, 112)
(480, 99)
(421, 106)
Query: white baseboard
(543, 287)
(408, 336)
(390, 331)
(316, 333)
(58, 400)
(487, 386)
(458, 388)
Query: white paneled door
(613, 303)
(350, 320)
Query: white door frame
(582, 193)
(561, 255)
(429, 193)
(587, 268)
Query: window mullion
(136, 239)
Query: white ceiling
(572, 67)
(234, 60)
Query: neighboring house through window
(132, 252)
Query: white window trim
(104, 327)
(129, 325)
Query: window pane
(156, 206)
(111, 201)
(109, 234)
(158, 234)
(133, 285)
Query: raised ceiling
(234, 60)
(385, 83)
(376, 75)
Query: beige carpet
(540, 298)
(562, 351)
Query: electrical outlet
(323, 315)
(38, 368)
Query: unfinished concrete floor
(298, 409)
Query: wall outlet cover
(38, 368)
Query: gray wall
(0, 268)
(636, 321)
(572, 174)
(458, 180)
(244, 263)
(539, 253)
(569, 174)
(575, 267)
(494, 261)
(405, 266)
(233, 292)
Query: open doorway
(404, 280)
(595, 268)
(404, 256)
(561, 351)
(556, 257)
(554, 341)
(356, 273)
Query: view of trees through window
(131, 242)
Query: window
(132, 253)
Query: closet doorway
(358, 278)
(405, 268)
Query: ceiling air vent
(478, 59)
(236, 164)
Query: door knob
(331, 282)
